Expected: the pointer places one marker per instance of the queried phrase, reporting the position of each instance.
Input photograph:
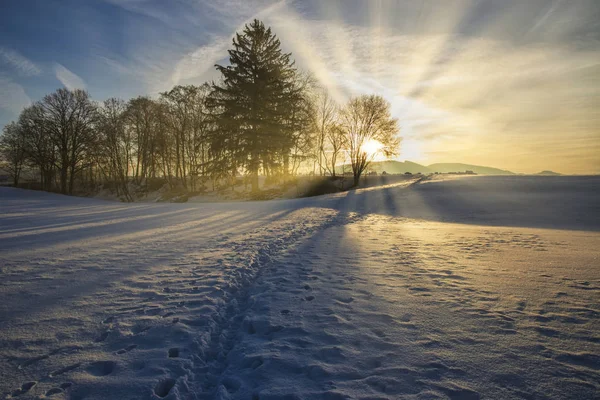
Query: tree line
(264, 116)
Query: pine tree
(255, 100)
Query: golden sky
(509, 84)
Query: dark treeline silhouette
(263, 117)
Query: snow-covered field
(482, 287)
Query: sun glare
(372, 147)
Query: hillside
(397, 167)
(548, 173)
(457, 167)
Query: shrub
(321, 187)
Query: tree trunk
(286, 167)
(356, 179)
(64, 172)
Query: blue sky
(509, 83)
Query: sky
(511, 84)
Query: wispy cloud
(197, 34)
(69, 79)
(21, 64)
(198, 62)
(12, 96)
(236, 12)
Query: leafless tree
(142, 116)
(115, 144)
(69, 118)
(335, 143)
(40, 150)
(365, 119)
(12, 151)
(325, 118)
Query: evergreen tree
(255, 100)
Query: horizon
(480, 82)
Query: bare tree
(300, 144)
(115, 144)
(40, 150)
(325, 118)
(366, 120)
(69, 117)
(197, 140)
(12, 151)
(187, 121)
(142, 116)
(336, 141)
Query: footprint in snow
(140, 329)
(26, 387)
(64, 370)
(101, 368)
(163, 387)
(346, 300)
(33, 360)
(109, 320)
(102, 337)
(406, 317)
(127, 349)
(253, 362)
(309, 298)
(153, 311)
(173, 352)
(53, 391)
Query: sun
(372, 147)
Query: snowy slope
(451, 289)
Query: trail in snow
(387, 308)
(333, 297)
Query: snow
(479, 287)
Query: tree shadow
(571, 203)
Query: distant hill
(456, 167)
(549, 173)
(398, 167)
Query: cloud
(22, 65)
(235, 12)
(201, 60)
(145, 8)
(482, 97)
(69, 79)
(182, 47)
(12, 96)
